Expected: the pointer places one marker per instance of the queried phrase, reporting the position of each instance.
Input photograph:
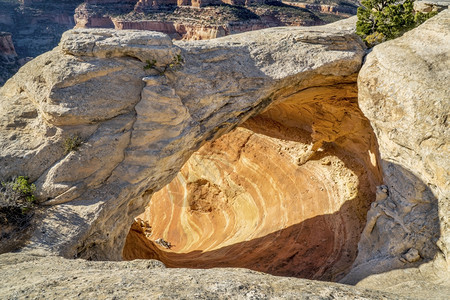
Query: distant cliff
(9, 61)
(36, 26)
(199, 20)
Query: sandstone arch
(266, 198)
(89, 212)
(139, 133)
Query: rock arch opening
(285, 193)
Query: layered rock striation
(196, 20)
(286, 193)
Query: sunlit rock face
(139, 128)
(409, 225)
(282, 194)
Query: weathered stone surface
(428, 281)
(57, 278)
(404, 91)
(430, 5)
(107, 44)
(286, 193)
(138, 133)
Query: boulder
(426, 6)
(404, 92)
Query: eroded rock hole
(285, 193)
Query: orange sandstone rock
(261, 197)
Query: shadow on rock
(402, 226)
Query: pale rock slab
(58, 278)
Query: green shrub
(16, 200)
(381, 20)
(176, 63)
(151, 64)
(72, 143)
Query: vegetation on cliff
(284, 11)
(220, 14)
(16, 201)
(381, 20)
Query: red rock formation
(123, 2)
(141, 5)
(84, 20)
(203, 3)
(197, 24)
(36, 25)
(9, 61)
(189, 31)
(90, 14)
(166, 27)
(324, 8)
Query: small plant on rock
(151, 64)
(176, 63)
(16, 200)
(72, 143)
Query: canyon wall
(36, 26)
(192, 20)
(349, 10)
(9, 61)
(54, 277)
(186, 31)
(143, 5)
(182, 30)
